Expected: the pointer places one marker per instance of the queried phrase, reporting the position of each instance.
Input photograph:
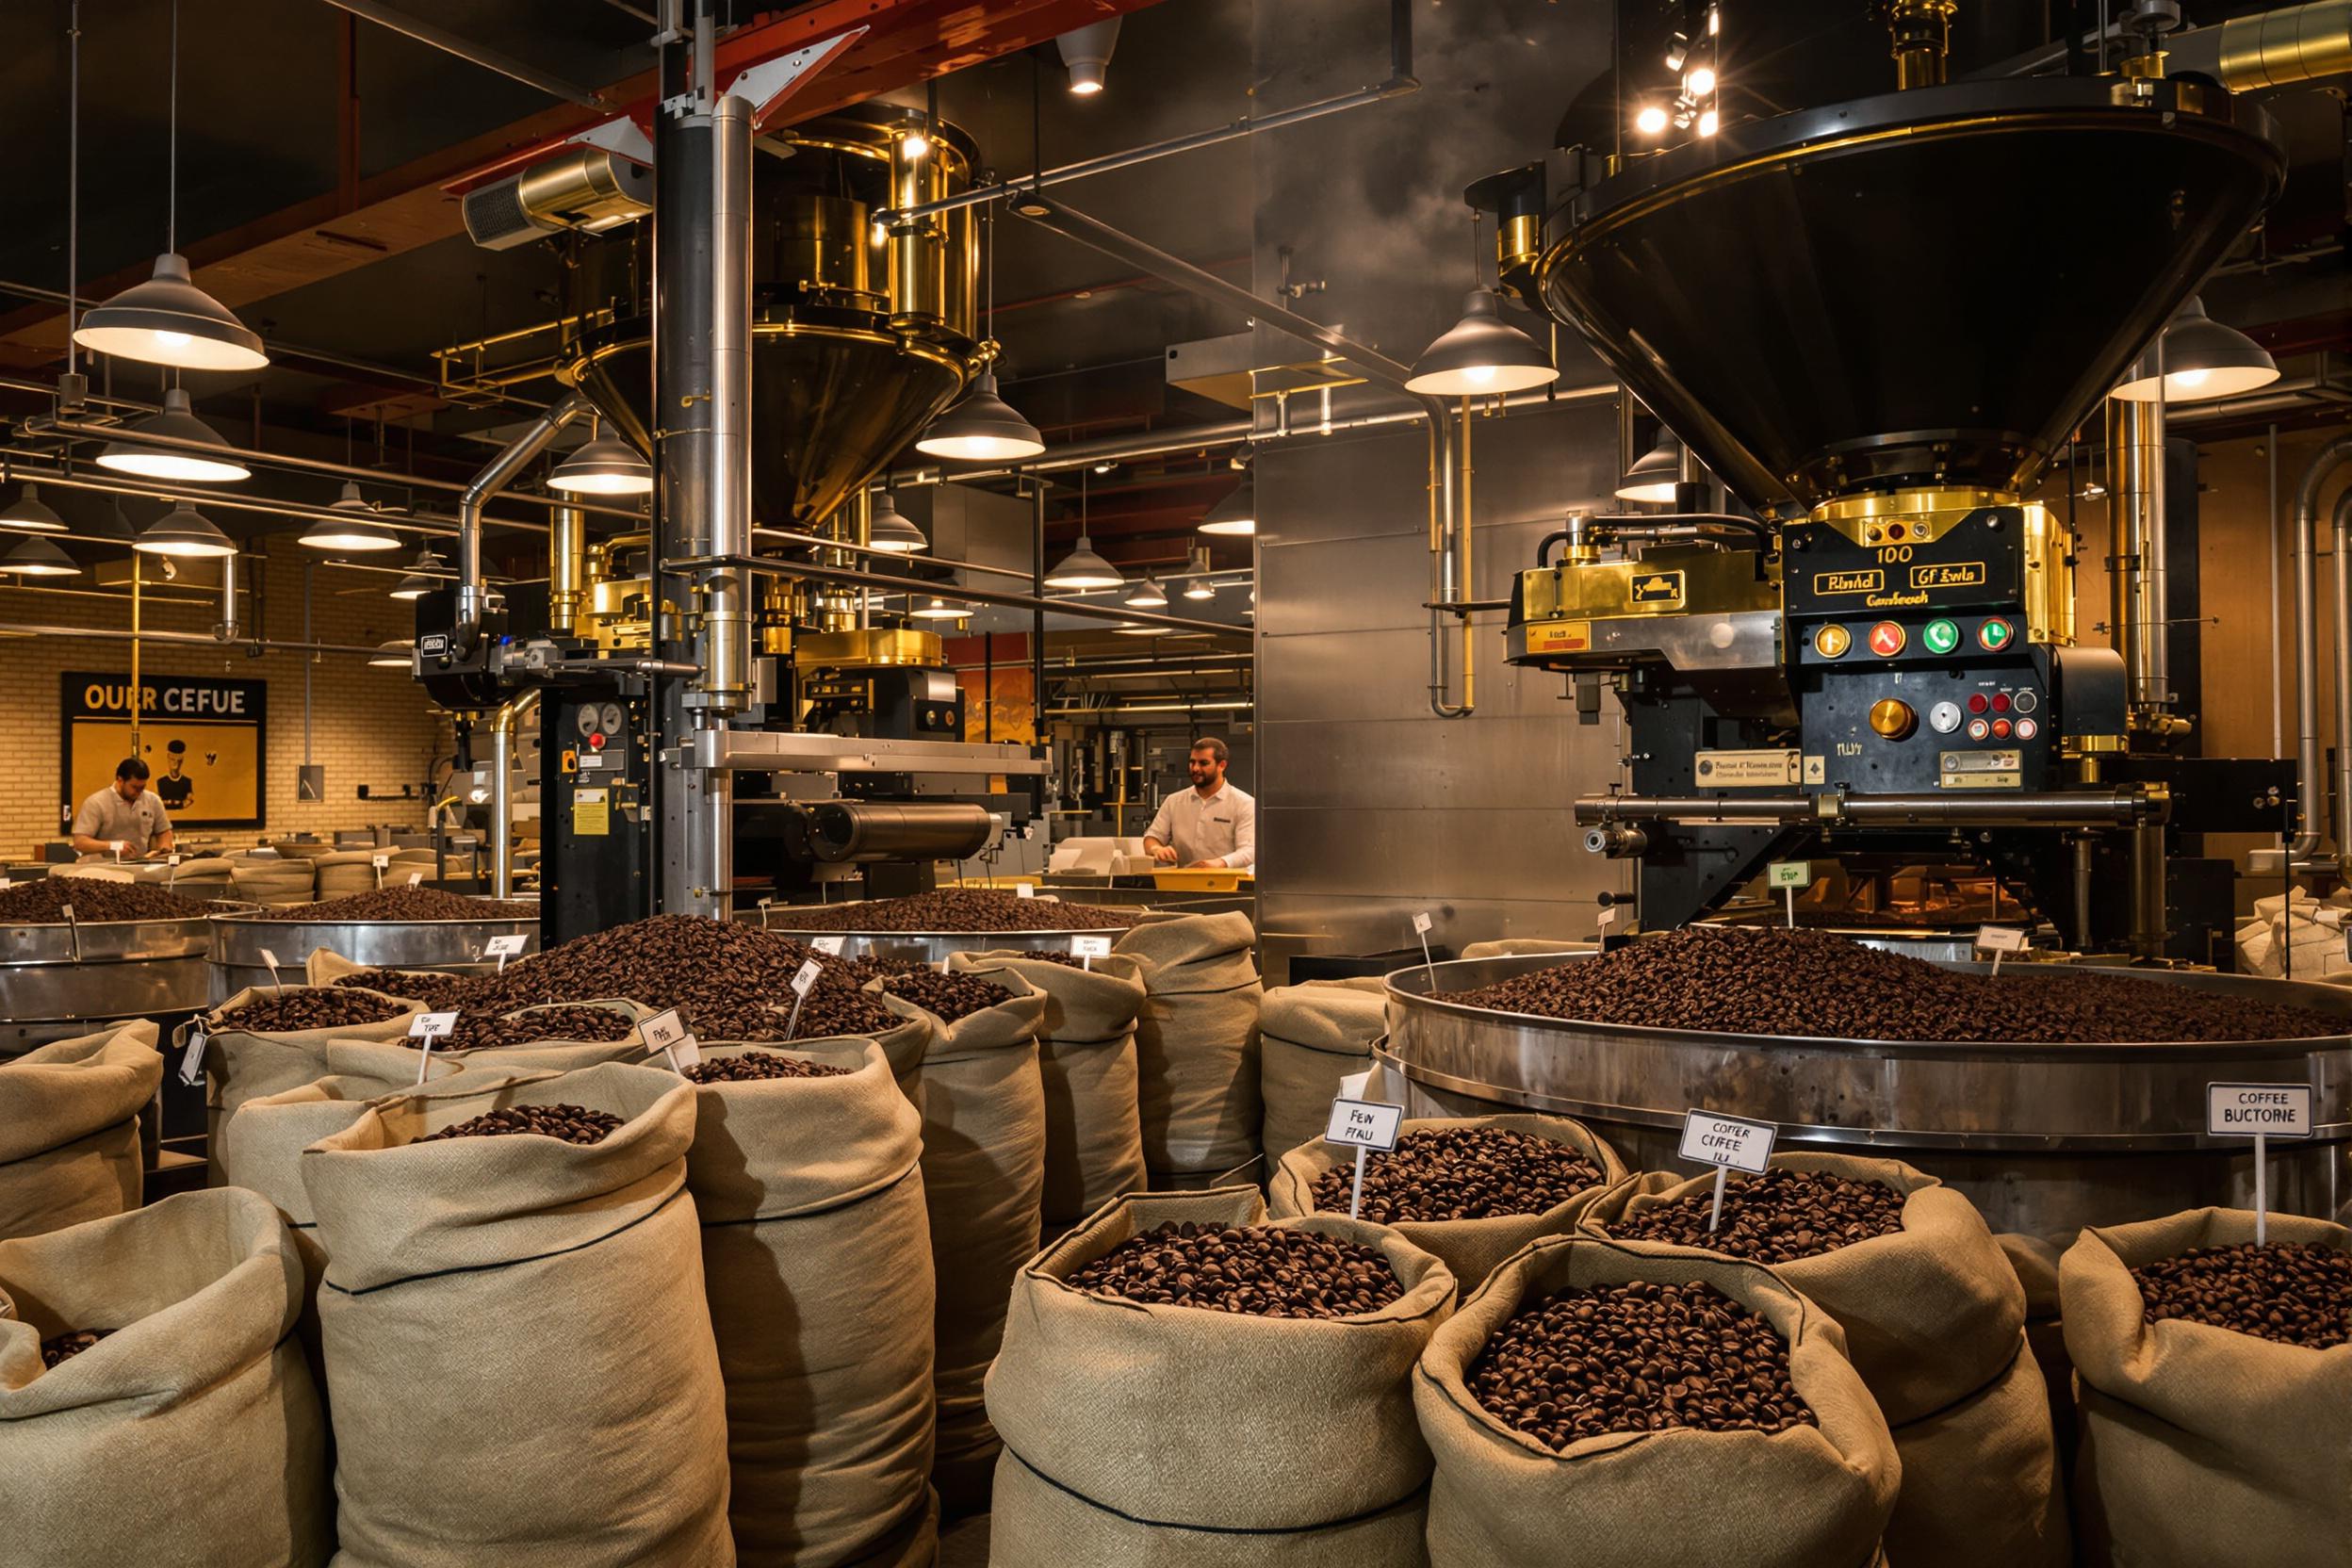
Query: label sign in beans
(1725, 1142)
(831, 945)
(433, 1025)
(2272, 1110)
(1364, 1125)
(666, 1031)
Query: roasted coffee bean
(1643, 1357)
(437, 992)
(405, 904)
(299, 1007)
(572, 1123)
(754, 1065)
(2296, 1293)
(1459, 1173)
(952, 909)
(42, 901)
(1263, 1270)
(1778, 1216)
(1768, 980)
(67, 1345)
(487, 1031)
(949, 997)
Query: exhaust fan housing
(587, 188)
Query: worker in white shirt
(122, 820)
(1212, 824)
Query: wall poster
(202, 739)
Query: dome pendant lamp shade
(358, 532)
(1146, 594)
(1237, 513)
(982, 427)
(176, 421)
(1086, 52)
(2202, 359)
(182, 531)
(426, 573)
(1081, 568)
(31, 514)
(937, 608)
(603, 465)
(887, 528)
(37, 557)
(168, 320)
(1652, 479)
(394, 655)
(1481, 353)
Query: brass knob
(1893, 718)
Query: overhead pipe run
(852, 576)
(2310, 782)
(495, 476)
(2343, 683)
(502, 809)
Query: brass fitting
(1920, 34)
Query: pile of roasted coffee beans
(487, 1031)
(67, 1345)
(753, 1066)
(1263, 1270)
(437, 992)
(572, 1123)
(2293, 1292)
(1774, 1218)
(1643, 1357)
(42, 902)
(1768, 980)
(948, 997)
(404, 904)
(1459, 1173)
(298, 1007)
(952, 909)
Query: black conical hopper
(1929, 287)
(834, 395)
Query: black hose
(1543, 546)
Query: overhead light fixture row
(184, 532)
(1654, 477)
(1236, 516)
(1480, 353)
(130, 452)
(981, 427)
(31, 514)
(887, 528)
(355, 531)
(603, 465)
(34, 556)
(2202, 359)
(1081, 568)
(425, 574)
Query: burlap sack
(1197, 1041)
(517, 1335)
(325, 966)
(1807, 1497)
(816, 1261)
(904, 1043)
(191, 1435)
(387, 1058)
(1138, 1436)
(982, 1104)
(2034, 1260)
(1086, 1061)
(69, 1128)
(1511, 947)
(2202, 1444)
(274, 881)
(241, 1064)
(1470, 1248)
(1309, 1037)
(1981, 1481)
(1931, 1314)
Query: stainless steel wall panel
(1426, 764)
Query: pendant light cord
(73, 176)
(171, 208)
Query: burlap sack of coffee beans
(1816, 1495)
(1933, 1314)
(1087, 1062)
(983, 1106)
(2200, 1444)
(816, 1261)
(326, 967)
(553, 1053)
(1151, 1435)
(242, 1063)
(1511, 947)
(69, 1128)
(517, 1335)
(1309, 1037)
(1470, 1248)
(1196, 1043)
(190, 1434)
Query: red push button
(1887, 639)
(596, 742)
(2000, 702)
(2001, 729)
(1977, 703)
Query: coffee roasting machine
(1875, 658)
(715, 720)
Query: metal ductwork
(585, 189)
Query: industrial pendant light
(31, 514)
(1146, 594)
(425, 574)
(982, 427)
(938, 608)
(1200, 588)
(1143, 630)
(182, 531)
(1481, 353)
(1654, 477)
(394, 655)
(888, 529)
(357, 531)
(1237, 513)
(37, 557)
(602, 465)
(168, 320)
(1086, 54)
(177, 422)
(1082, 568)
(2201, 359)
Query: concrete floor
(964, 1543)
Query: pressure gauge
(591, 719)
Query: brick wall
(370, 726)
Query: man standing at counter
(122, 820)
(1212, 824)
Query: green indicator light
(1941, 636)
(1995, 635)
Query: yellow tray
(1201, 881)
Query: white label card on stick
(1025, 891)
(267, 956)
(1728, 1144)
(433, 1025)
(1421, 924)
(192, 1063)
(666, 1032)
(504, 948)
(2260, 1112)
(805, 978)
(415, 877)
(829, 945)
(1088, 949)
(1363, 1125)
